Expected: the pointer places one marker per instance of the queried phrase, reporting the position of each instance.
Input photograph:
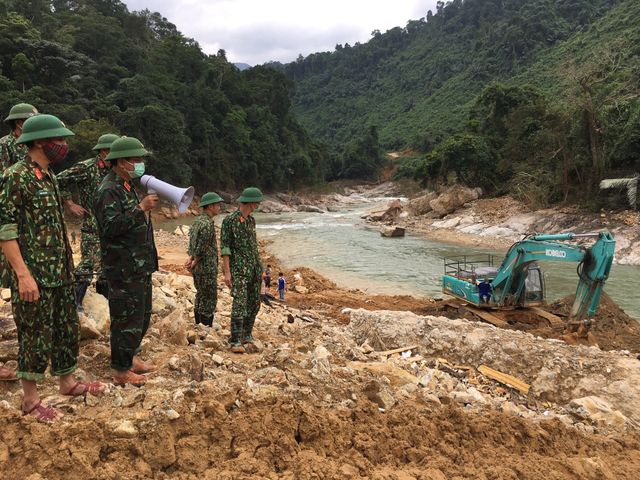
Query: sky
(258, 31)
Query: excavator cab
(533, 292)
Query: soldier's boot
(102, 287)
(247, 338)
(81, 290)
(236, 334)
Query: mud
(314, 403)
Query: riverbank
(332, 395)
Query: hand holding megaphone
(149, 202)
(180, 197)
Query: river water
(342, 247)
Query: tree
(22, 69)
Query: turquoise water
(343, 248)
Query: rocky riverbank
(461, 215)
(339, 390)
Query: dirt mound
(286, 438)
(612, 329)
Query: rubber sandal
(251, 347)
(130, 378)
(44, 413)
(143, 367)
(7, 375)
(94, 388)
(237, 349)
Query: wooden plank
(553, 319)
(488, 317)
(397, 350)
(505, 379)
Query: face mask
(138, 170)
(55, 152)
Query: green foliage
(539, 98)
(362, 157)
(465, 158)
(99, 66)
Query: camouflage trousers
(245, 307)
(48, 331)
(205, 278)
(130, 311)
(90, 257)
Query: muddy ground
(312, 404)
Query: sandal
(237, 349)
(94, 388)
(131, 378)
(44, 413)
(141, 367)
(7, 375)
(251, 347)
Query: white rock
(125, 429)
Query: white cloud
(256, 31)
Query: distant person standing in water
(281, 286)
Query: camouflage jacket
(238, 241)
(86, 176)
(31, 213)
(10, 152)
(202, 243)
(126, 235)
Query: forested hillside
(533, 97)
(102, 68)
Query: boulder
(453, 199)
(420, 205)
(173, 328)
(392, 231)
(386, 212)
(96, 307)
(88, 329)
(597, 411)
(269, 206)
(310, 208)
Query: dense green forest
(539, 98)
(101, 68)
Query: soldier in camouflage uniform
(203, 259)
(10, 153)
(242, 269)
(34, 240)
(87, 176)
(129, 257)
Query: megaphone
(180, 197)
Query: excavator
(518, 283)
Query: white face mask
(138, 170)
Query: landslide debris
(324, 398)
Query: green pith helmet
(40, 127)
(209, 198)
(105, 141)
(251, 195)
(21, 111)
(126, 147)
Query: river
(345, 249)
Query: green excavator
(518, 283)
